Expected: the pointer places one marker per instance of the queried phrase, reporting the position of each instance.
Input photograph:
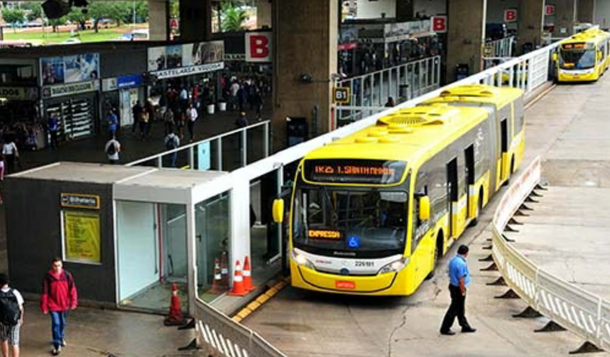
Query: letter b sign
(439, 24)
(258, 46)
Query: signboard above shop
(123, 82)
(185, 59)
(70, 89)
(70, 69)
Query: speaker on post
(54, 9)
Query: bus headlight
(300, 259)
(395, 266)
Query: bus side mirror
(555, 57)
(424, 208)
(599, 55)
(278, 210)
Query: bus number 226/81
(364, 264)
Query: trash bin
(296, 130)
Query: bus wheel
(475, 220)
(438, 252)
(510, 173)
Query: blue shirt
(112, 122)
(52, 124)
(458, 269)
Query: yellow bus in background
(373, 212)
(583, 57)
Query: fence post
(219, 153)
(266, 136)
(244, 147)
(160, 161)
(192, 158)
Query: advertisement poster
(82, 237)
(203, 156)
(70, 69)
(156, 59)
(173, 57)
(187, 55)
(52, 70)
(81, 68)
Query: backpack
(111, 149)
(172, 143)
(10, 313)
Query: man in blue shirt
(113, 123)
(459, 279)
(53, 127)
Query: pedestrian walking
(11, 317)
(113, 148)
(179, 119)
(172, 141)
(53, 127)
(58, 296)
(137, 113)
(191, 117)
(257, 102)
(459, 279)
(113, 123)
(144, 119)
(10, 152)
(168, 120)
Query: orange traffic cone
(238, 282)
(224, 271)
(248, 285)
(216, 289)
(174, 317)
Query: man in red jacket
(58, 296)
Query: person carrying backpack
(11, 317)
(112, 148)
(172, 141)
(58, 296)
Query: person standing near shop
(191, 117)
(10, 152)
(113, 123)
(112, 149)
(144, 119)
(137, 113)
(168, 120)
(53, 127)
(184, 99)
(459, 279)
(179, 119)
(58, 296)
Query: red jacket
(58, 292)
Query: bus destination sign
(323, 234)
(576, 46)
(354, 171)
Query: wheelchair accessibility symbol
(353, 242)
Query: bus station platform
(565, 234)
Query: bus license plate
(345, 285)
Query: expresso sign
(79, 200)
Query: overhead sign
(354, 171)
(510, 15)
(69, 89)
(549, 10)
(341, 95)
(185, 55)
(186, 71)
(82, 237)
(123, 82)
(19, 93)
(259, 46)
(79, 200)
(439, 24)
(70, 69)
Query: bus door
(452, 196)
(471, 202)
(505, 159)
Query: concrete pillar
(565, 17)
(531, 23)
(158, 20)
(404, 10)
(586, 11)
(465, 35)
(195, 20)
(263, 13)
(305, 42)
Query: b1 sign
(258, 47)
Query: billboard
(70, 69)
(187, 55)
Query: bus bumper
(577, 77)
(384, 284)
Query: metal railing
(585, 314)
(499, 48)
(190, 156)
(402, 82)
(244, 341)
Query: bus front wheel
(438, 252)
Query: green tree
(232, 16)
(13, 16)
(77, 16)
(32, 9)
(55, 23)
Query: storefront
(121, 94)
(71, 92)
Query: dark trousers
(191, 127)
(455, 309)
(10, 163)
(53, 139)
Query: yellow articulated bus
(583, 57)
(373, 212)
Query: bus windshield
(577, 59)
(350, 222)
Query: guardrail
(238, 140)
(402, 82)
(577, 310)
(244, 341)
(500, 48)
